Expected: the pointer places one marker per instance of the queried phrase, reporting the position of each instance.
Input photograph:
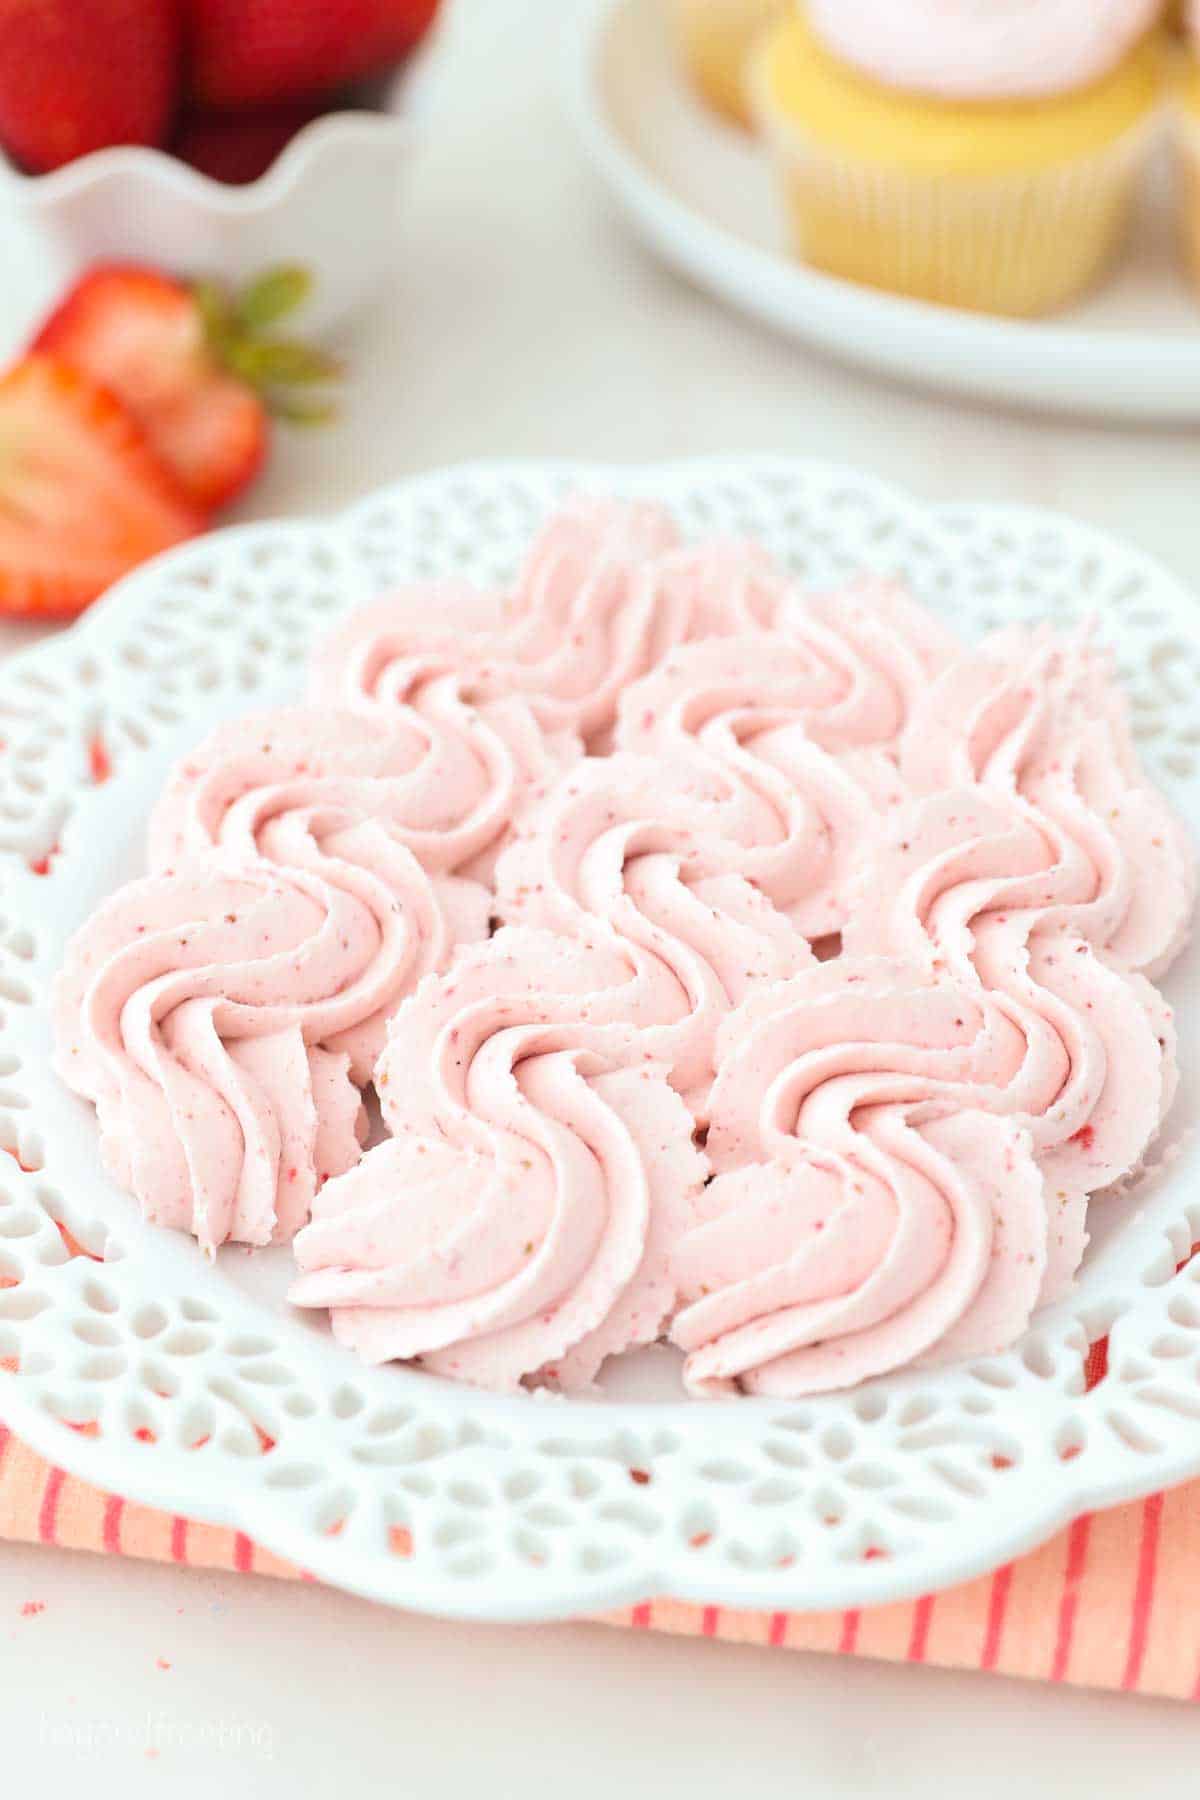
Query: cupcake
(1187, 95)
(715, 38)
(980, 156)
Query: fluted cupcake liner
(1020, 243)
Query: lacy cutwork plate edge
(209, 1398)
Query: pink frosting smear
(763, 970)
(519, 1221)
(983, 49)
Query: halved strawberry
(83, 499)
(190, 365)
(144, 337)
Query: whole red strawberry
(239, 147)
(80, 75)
(260, 52)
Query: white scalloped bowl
(328, 201)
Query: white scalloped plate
(452, 1501)
(701, 195)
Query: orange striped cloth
(1109, 1603)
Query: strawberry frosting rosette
(328, 794)
(983, 888)
(584, 616)
(866, 1212)
(197, 1012)
(1037, 715)
(519, 1222)
(606, 592)
(850, 667)
(794, 730)
(642, 854)
(445, 781)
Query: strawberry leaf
(285, 362)
(212, 302)
(293, 411)
(273, 296)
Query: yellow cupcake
(1187, 111)
(715, 38)
(1009, 206)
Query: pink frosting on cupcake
(983, 49)
(519, 1222)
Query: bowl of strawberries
(212, 137)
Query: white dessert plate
(701, 194)
(210, 1397)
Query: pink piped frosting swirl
(630, 848)
(519, 1221)
(1037, 715)
(794, 732)
(196, 1012)
(327, 793)
(983, 49)
(864, 1213)
(851, 666)
(976, 886)
(606, 592)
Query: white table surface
(525, 321)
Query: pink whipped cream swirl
(793, 735)
(197, 1013)
(850, 666)
(519, 1222)
(865, 1213)
(983, 49)
(438, 776)
(329, 794)
(979, 886)
(1037, 715)
(630, 850)
(605, 593)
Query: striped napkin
(1109, 1603)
